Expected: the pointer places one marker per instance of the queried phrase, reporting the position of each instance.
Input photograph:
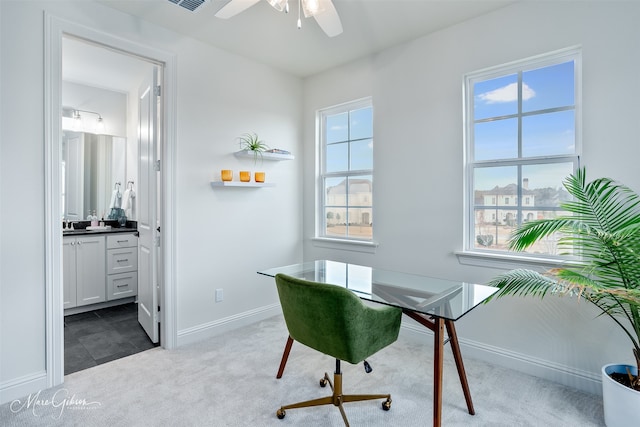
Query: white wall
(22, 184)
(223, 236)
(226, 235)
(418, 159)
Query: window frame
(321, 146)
(470, 164)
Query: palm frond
(531, 232)
(522, 282)
(602, 227)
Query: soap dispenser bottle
(94, 219)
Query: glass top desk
(434, 303)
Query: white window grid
(518, 67)
(323, 175)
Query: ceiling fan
(323, 11)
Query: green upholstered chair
(334, 321)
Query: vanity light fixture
(79, 124)
(99, 125)
(77, 121)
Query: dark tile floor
(100, 336)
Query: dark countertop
(110, 231)
(80, 228)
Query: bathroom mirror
(92, 167)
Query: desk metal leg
(455, 347)
(285, 356)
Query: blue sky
(546, 134)
(356, 126)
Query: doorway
(110, 176)
(56, 32)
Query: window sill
(509, 261)
(346, 245)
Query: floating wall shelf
(215, 184)
(265, 156)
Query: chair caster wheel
(323, 382)
(386, 405)
(280, 413)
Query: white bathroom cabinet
(84, 270)
(98, 270)
(122, 266)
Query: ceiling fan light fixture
(323, 11)
(279, 5)
(312, 7)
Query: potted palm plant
(603, 229)
(250, 143)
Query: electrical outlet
(219, 295)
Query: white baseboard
(217, 327)
(588, 382)
(23, 386)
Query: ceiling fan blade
(234, 7)
(328, 19)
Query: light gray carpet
(230, 380)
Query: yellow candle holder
(259, 176)
(226, 174)
(245, 176)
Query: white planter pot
(621, 403)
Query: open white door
(147, 206)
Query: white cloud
(508, 93)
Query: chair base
(336, 398)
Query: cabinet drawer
(122, 240)
(122, 285)
(122, 260)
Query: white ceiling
(271, 37)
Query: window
(346, 171)
(522, 141)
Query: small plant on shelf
(251, 143)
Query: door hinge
(158, 241)
(156, 166)
(157, 91)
